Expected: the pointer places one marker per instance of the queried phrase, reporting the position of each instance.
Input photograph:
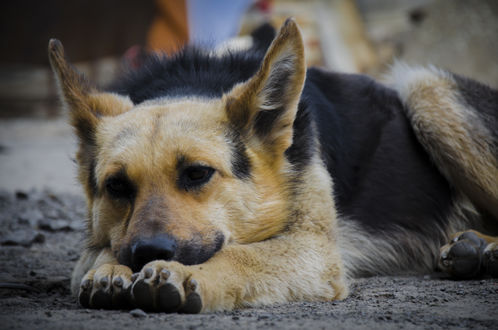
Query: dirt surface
(40, 236)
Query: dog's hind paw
(106, 287)
(490, 259)
(463, 256)
(166, 287)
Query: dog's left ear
(265, 106)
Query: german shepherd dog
(217, 182)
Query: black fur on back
(382, 175)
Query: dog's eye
(195, 176)
(119, 187)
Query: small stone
(32, 216)
(54, 225)
(23, 238)
(21, 195)
(77, 226)
(138, 313)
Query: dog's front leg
(100, 281)
(282, 269)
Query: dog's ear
(265, 106)
(86, 105)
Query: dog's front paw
(106, 287)
(167, 287)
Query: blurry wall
(89, 29)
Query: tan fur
(280, 242)
(451, 132)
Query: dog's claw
(118, 282)
(165, 274)
(104, 281)
(148, 272)
(86, 284)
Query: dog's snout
(154, 248)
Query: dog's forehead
(166, 118)
(190, 128)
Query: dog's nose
(154, 248)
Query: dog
(216, 182)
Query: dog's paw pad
(101, 299)
(121, 292)
(169, 298)
(142, 295)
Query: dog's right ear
(86, 105)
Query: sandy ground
(40, 236)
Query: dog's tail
(456, 121)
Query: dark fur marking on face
(241, 165)
(194, 251)
(120, 187)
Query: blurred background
(103, 37)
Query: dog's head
(177, 178)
